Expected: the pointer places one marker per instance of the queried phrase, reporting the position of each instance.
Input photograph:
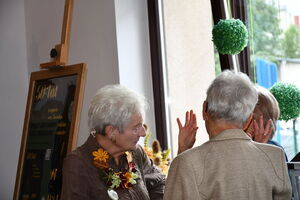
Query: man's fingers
(187, 118)
(179, 123)
(195, 130)
(191, 117)
(195, 120)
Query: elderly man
(230, 165)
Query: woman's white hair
(231, 97)
(114, 105)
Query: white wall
(289, 73)
(93, 41)
(13, 90)
(134, 51)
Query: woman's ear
(204, 110)
(108, 131)
(248, 122)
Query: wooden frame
(62, 49)
(50, 130)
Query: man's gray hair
(114, 105)
(231, 97)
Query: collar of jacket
(231, 134)
(91, 144)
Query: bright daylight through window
(274, 35)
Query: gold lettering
(43, 91)
(52, 91)
(53, 174)
(38, 92)
(55, 117)
(31, 156)
(52, 197)
(60, 132)
(52, 110)
(62, 124)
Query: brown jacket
(230, 166)
(81, 179)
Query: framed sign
(50, 131)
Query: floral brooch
(115, 179)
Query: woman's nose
(142, 132)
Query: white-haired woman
(265, 116)
(110, 164)
(230, 165)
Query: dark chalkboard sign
(50, 131)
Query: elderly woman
(230, 165)
(265, 116)
(110, 164)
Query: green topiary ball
(230, 36)
(288, 97)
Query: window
(272, 54)
(275, 54)
(185, 63)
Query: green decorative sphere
(230, 36)
(288, 97)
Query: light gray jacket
(229, 166)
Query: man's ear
(204, 110)
(248, 122)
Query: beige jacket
(230, 166)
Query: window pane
(275, 55)
(189, 62)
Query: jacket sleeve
(73, 179)
(181, 181)
(286, 191)
(154, 179)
